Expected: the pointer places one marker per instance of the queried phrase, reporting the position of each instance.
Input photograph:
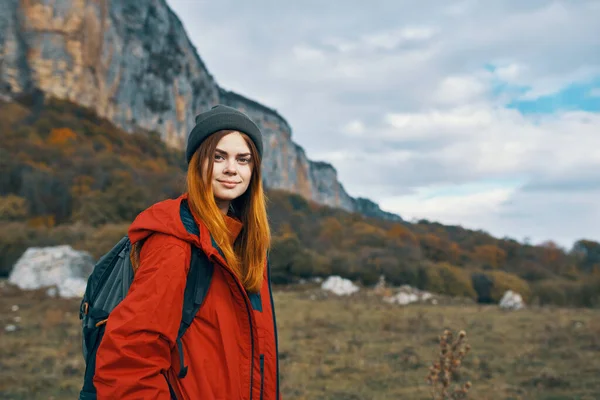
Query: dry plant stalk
(452, 351)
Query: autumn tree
(438, 249)
(587, 253)
(61, 137)
(490, 256)
(332, 232)
(13, 208)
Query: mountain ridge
(133, 63)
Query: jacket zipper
(274, 328)
(248, 311)
(262, 375)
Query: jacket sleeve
(141, 331)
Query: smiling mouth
(229, 182)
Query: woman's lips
(229, 184)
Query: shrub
(402, 273)
(13, 208)
(104, 238)
(553, 292)
(14, 240)
(482, 284)
(447, 279)
(585, 293)
(283, 249)
(321, 265)
(504, 281)
(590, 293)
(344, 265)
(302, 264)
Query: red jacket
(231, 346)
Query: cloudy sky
(479, 113)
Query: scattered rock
(407, 294)
(381, 285)
(512, 301)
(15, 308)
(10, 328)
(339, 286)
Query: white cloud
(459, 8)
(354, 128)
(511, 73)
(455, 90)
(399, 96)
(469, 209)
(308, 54)
(389, 40)
(462, 120)
(492, 141)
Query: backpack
(108, 285)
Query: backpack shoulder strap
(197, 284)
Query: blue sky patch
(575, 97)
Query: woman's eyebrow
(225, 153)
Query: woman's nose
(230, 167)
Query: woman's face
(232, 169)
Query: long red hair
(246, 257)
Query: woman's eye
(219, 157)
(244, 160)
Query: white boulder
(339, 286)
(408, 294)
(60, 266)
(512, 301)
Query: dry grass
(344, 348)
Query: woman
(231, 346)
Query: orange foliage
(401, 233)
(105, 143)
(552, 255)
(439, 249)
(82, 185)
(47, 221)
(331, 231)
(154, 165)
(61, 136)
(491, 255)
(286, 231)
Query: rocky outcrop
(132, 62)
(371, 209)
(129, 60)
(286, 165)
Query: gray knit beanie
(218, 118)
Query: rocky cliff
(133, 63)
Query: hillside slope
(68, 176)
(132, 62)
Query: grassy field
(343, 348)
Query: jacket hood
(165, 217)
